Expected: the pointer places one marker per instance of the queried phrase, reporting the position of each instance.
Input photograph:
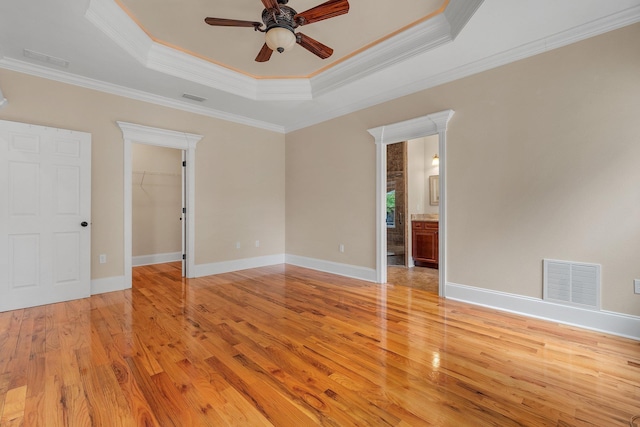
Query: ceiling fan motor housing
(284, 20)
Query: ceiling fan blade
(231, 22)
(271, 4)
(314, 46)
(324, 11)
(265, 54)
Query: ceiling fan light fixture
(280, 39)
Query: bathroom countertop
(424, 217)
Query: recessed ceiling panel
(180, 24)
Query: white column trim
(163, 138)
(432, 124)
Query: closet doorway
(157, 199)
(186, 142)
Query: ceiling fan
(279, 23)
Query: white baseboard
(108, 284)
(354, 271)
(237, 264)
(137, 261)
(603, 321)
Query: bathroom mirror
(434, 190)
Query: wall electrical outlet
(237, 245)
(103, 258)
(341, 248)
(257, 243)
(636, 286)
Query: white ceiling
(500, 31)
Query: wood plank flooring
(286, 346)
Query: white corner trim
(347, 270)
(237, 265)
(458, 13)
(139, 260)
(109, 284)
(601, 321)
(414, 41)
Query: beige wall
(542, 163)
(542, 158)
(330, 175)
(156, 200)
(239, 169)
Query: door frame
(432, 124)
(139, 134)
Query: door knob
(84, 223)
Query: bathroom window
(391, 208)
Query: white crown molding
(107, 16)
(418, 39)
(88, 83)
(119, 27)
(428, 35)
(180, 64)
(573, 35)
(284, 90)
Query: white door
(45, 207)
(183, 223)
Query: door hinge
(184, 256)
(184, 164)
(184, 210)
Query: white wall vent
(193, 97)
(572, 283)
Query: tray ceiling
(293, 75)
(181, 25)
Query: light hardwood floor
(287, 346)
(414, 277)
